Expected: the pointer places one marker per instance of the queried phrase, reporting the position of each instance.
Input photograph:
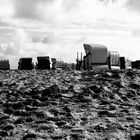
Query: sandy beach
(70, 105)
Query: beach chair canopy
(4, 65)
(98, 53)
(114, 58)
(43, 62)
(25, 63)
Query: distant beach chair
(136, 64)
(60, 64)
(125, 63)
(114, 60)
(43, 62)
(122, 62)
(128, 64)
(4, 65)
(54, 61)
(25, 64)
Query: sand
(70, 105)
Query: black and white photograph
(69, 69)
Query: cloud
(15, 48)
(45, 38)
(133, 5)
(26, 8)
(62, 11)
(35, 9)
(17, 38)
(8, 49)
(70, 11)
(6, 9)
(136, 32)
(70, 5)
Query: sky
(59, 28)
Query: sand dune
(70, 105)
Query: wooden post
(109, 62)
(77, 56)
(122, 62)
(81, 56)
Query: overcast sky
(58, 28)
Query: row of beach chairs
(43, 63)
(98, 57)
